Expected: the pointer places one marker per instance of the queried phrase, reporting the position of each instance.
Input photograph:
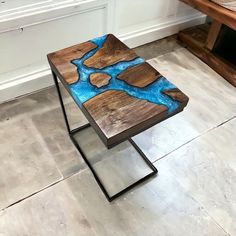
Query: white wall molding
(25, 84)
(158, 31)
(34, 14)
(24, 68)
(28, 37)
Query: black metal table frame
(76, 130)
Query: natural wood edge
(215, 11)
(213, 34)
(148, 124)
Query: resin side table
(119, 93)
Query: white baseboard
(37, 80)
(147, 35)
(25, 84)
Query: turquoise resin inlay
(83, 90)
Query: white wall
(28, 32)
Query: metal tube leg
(61, 102)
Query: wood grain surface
(99, 79)
(213, 34)
(118, 114)
(140, 75)
(177, 95)
(62, 60)
(215, 11)
(112, 52)
(127, 94)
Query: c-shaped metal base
(74, 131)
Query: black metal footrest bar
(110, 198)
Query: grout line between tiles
(42, 189)
(213, 219)
(203, 208)
(198, 136)
(65, 178)
(189, 194)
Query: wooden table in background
(215, 45)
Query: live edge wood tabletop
(119, 93)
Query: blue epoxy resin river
(83, 90)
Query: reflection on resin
(83, 90)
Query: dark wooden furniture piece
(120, 94)
(213, 44)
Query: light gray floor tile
(118, 167)
(158, 207)
(206, 168)
(25, 166)
(55, 211)
(77, 206)
(51, 127)
(155, 49)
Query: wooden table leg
(213, 34)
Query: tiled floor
(46, 189)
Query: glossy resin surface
(83, 90)
(119, 93)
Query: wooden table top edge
(120, 137)
(214, 10)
